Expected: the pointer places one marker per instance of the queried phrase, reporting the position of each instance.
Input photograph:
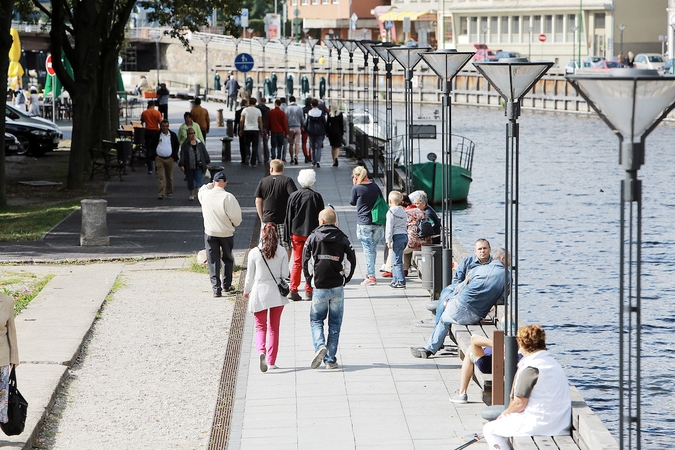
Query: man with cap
(222, 214)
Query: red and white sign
(48, 64)
(542, 37)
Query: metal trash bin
(226, 153)
(432, 269)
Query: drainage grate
(222, 418)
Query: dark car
(504, 54)
(12, 145)
(35, 139)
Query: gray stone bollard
(94, 223)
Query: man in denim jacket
(471, 301)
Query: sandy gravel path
(149, 374)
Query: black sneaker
(293, 295)
(318, 165)
(335, 164)
(295, 161)
(217, 294)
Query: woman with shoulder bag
(9, 352)
(193, 161)
(267, 266)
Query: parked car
(668, 67)
(504, 54)
(12, 145)
(35, 139)
(483, 53)
(590, 61)
(606, 65)
(648, 61)
(571, 67)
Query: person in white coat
(267, 263)
(540, 400)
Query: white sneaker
(263, 363)
(318, 357)
(272, 367)
(330, 366)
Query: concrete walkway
(381, 397)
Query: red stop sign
(542, 37)
(48, 64)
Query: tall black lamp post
(512, 78)
(329, 43)
(350, 46)
(156, 36)
(631, 102)
(446, 64)
(622, 27)
(388, 58)
(206, 38)
(286, 41)
(312, 43)
(337, 43)
(408, 57)
(365, 142)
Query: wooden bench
(103, 160)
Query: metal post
(389, 151)
(621, 28)
(157, 37)
(206, 39)
(446, 184)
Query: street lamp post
(623, 57)
(408, 57)
(574, 29)
(388, 59)
(368, 45)
(329, 43)
(236, 45)
(312, 43)
(365, 143)
(337, 43)
(263, 41)
(157, 37)
(512, 78)
(206, 39)
(446, 64)
(350, 46)
(529, 42)
(631, 102)
(285, 41)
(485, 30)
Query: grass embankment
(23, 288)
(34, 210)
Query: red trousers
(298, 243)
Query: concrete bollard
(94, 223)
(220, 121)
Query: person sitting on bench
(470, 303)
(540, 399)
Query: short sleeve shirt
(526, 380)
(251, 115)
(151, 118)
(275, 190)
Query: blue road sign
(237, 21)
(243, 62)
(388, 24)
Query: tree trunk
(108, 101)
(6, 7)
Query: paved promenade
(380, 397)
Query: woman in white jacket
(264, 299)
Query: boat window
(423, 131)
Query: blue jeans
(327, 303)
(398, 245)
(370, 236)
(446, 295)
(454, 312)
(316, 144)
(195, 178)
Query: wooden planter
(149, 94)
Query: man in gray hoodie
(294, 116)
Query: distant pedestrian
(34, 98)
(237, 131)
(267, 264)
(141, 86)
(189, 123)
(630, 59)
(163, 101)
(315, 124)
(264, 131)
(166, 154)
(232, 87)
(193, 161)
(295, 118)
(364, 195)
(201, 116)
(222, 214)
(278, 128)
(150, 118)
(396, 236)
(284, 107)
(302, 217)
(335, 129)
(20, 100)
(271, 198)
(328, 262)
(305, 137)
(250, 127)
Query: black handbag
(17, 409)
(284, 288)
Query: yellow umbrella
(15, 71)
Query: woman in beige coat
(9, 352)
(264, 299)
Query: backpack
(316, 126)
(379, 211)
(425, 228)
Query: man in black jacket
(328, 261)
(302, 217)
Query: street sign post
(388, 24)
(244, 62)
(542, 37)
(48, 66)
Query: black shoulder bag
(284, 289)
(17, 409)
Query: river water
(569, 248)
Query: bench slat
(565, 442)
(544, 442)
(523, 443)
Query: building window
(548, 25)
(473, 30)
(536, 26)
(483, 29)
(494, 29)
(294, 2)
(504, 30)
(515, 29)
(315, 2)
(463, 26)
(526, 31)
(600, 20)
(559, 28)
(571, 27)
(305, 2)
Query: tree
(91, 33)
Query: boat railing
(462, 151)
